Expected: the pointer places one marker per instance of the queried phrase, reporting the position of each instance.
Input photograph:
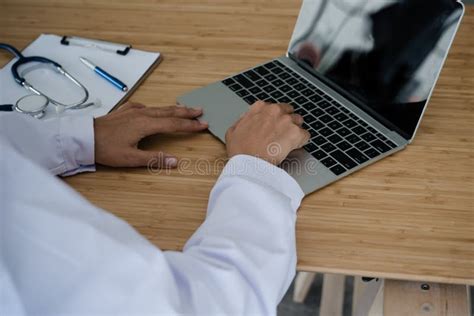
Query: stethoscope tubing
(24, 83)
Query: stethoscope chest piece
(33, 104)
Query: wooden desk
(409, 217)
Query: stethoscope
(36, 103)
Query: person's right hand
(267, 131)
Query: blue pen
(101, 72)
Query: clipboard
(129, 65)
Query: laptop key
(270, 77)
(343, 159)
(309, 106)
(250, 99)
(344, 145)
(269, 89)
(243, 81)
(291, 81)
(373, 130)
(278, 83)
(317, 112)
(301, 111)
(276, 62)
(380, 146)
(235, 87)
(255, 90)
(324, 104)
(270, 65)
(301, 100)
(261, 71)
(362, 145)
(343, 131)
(357, 155)
(228, 82)
(326, 118)
(285, 88)
(359, 130)
(308, 92)
(242, 93)
(293, 94)
(277, 70)
(372, 153)
(276, 94)
(335, 125)
(312, 133)
(309, 119)
(341, 117)
(328, 147)
(300, 87)
(315, 98)
(310, 147)
(262, 96)
(352, 138)
(326, 131)
(328, 162)
(332, 110)
(391, 144)
(317, 125)
(319, 154)
(262, 83)
(319, 140)
(334, 138)
(252, 75)
(368, 137)
(338, 169)
(350, 123)
(284, 99)
(284, 75)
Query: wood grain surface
(409, 216)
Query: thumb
(153, 159)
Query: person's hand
(118, 133)
(267, 131)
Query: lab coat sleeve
(63, 145)
(243, 258)
(60, 255)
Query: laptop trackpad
(222, 108)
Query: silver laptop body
(361, 76)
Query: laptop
(360, 73)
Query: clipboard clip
(120, 49)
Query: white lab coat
(60, 255)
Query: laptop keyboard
(340, 140)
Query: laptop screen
(383, 55)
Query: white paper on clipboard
(130, 69)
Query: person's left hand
(118, 133)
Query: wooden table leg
(303, 283)
(332, 297)
(425, 299)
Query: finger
(297, 119)
(174, 111)
(130, 105)
(287, 108)
(151, 159)
(304, 137)
(172, 125)
(258, 105)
